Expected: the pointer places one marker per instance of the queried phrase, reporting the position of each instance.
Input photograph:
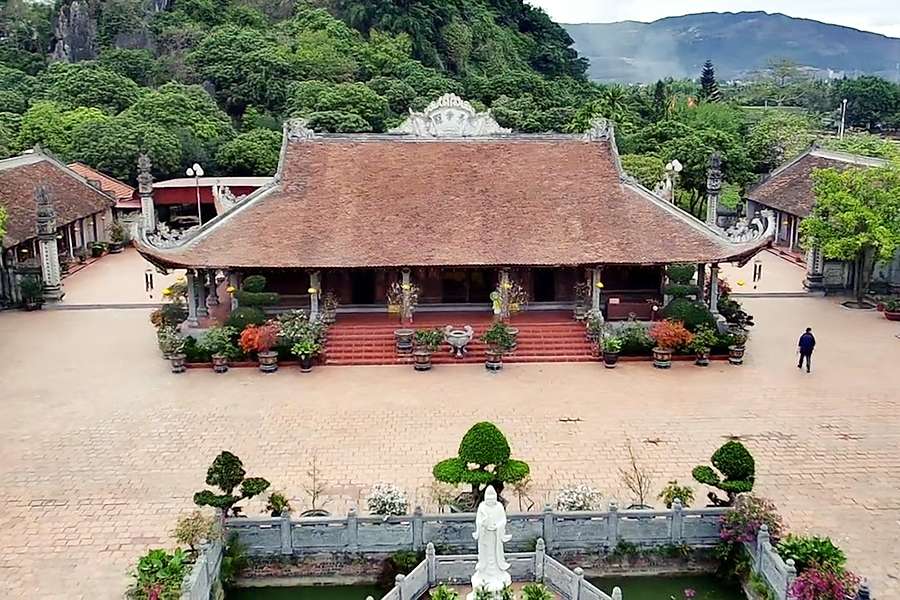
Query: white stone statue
(491, 571)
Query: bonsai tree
(483, 459)
(251, 298)
(227, 473)
(736, 472)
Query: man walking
(805, 348)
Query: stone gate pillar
(191, 299)
(46, 226)
(714, 289)
(815, 278)
(713, 188)
(596, 288)
(145, 189)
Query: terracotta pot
(219, 363)
(404, 339)
(177, 361)
(610, 359)
(736, 355)
(306, 364)
(892, 316)
(422, 360)
(315, 512)
(268, 361)
(702, 359)
(662, 358)
(494, 360)
(116, 247)
(514, 332)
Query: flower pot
(580, 312)
(514, 332)
(177, 361)
(404, 339)
(879, 306)
(32, 304)
(422, 360)
(610, 359)
(268, 361)
(702, 358)
(116, 247)
(96, 251)
(891, 315)
(315, 512)
(736, 355)
(306, 364)
(494, 360)
(329, 316)
(662, 358)
(220, 363)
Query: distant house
(175, 200)
(788, 191)
(75, 210)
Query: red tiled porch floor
(544, 336)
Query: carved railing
(203, 578)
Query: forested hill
(739, 43)
(212, 80)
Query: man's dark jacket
(807, 343)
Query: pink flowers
(689, 593)
(816, 583)
(749, 515)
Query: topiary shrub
(243, 316)
(254, 284)
(691, 313)
(737, 471)
(682, 273)
(227, 473)
(483, 459)
(252, 293)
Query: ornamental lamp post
(673, 170)
(196, 171)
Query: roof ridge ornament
(750, 229)
(450, 116)
(298, 131)
(601, 130)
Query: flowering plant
(387, 499)
(670, 335)
(821, 584)
(295, 326)
(260, 338)
(744, 522)
(578, 497)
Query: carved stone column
(212, 298)
(315, 289)
(46, 226)
(191, 299)
(145, 189)
(713, 188)
(200, 284)
(596, 289)
(406, 305)
(815, 279)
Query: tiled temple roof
(790, 187)
(391, 200)
(72, 196)
(121, 191)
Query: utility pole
(843, 118)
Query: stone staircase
(543, 339)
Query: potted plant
(306, 350)
(426, 341)
(261, 339)
(404, 339)
(98, 248)
(704, 339)
(737, 347)
(219, 342)
(117, 237)
(612, 345)
(278, 505)
(499, 342)
(32, 288)
(514, 332)
(172, 346)
(669, 337)
(892, 309)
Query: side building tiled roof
(790, 187)
(72, 196)
(121, 191)
(388, 201)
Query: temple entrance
(544, 284)
(465, 286)
(362, 286)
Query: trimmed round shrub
(681, 273)
(484, 444)
(254, 283)
(245, 315)
(691, 313)
(736, 470)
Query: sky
(880, 16)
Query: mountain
(738, 44)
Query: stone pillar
(713, 188)
(549, 527)
(596, 289)
(576, 583)
(613, 527)
(200, 282)
(213, 298)
(431, 564)
(677, 534)
(405, 307)
(46, 226)
(418, 528)
(701, 281)
(315, 289)
(191, 299)
(287, 542)
(145, 189)
(352, 530)
(540, 551)
(815, 279)
(233, 283)
(714, 289)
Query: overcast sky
(882, 16)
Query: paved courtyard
(101, 447)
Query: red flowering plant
(742, 524)
(816, 583)
(670, 335)
(260, 338)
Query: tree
(86, 84)
(856, 218)
(661, 100)
(865, 144)
(47, 124)
(178, 107)
(778, 137)
(709, 88)
(252, 153)
(871, 100)
(736, 472)
(113, 146)
(648, 169)
(308, 97)
(483, 459)
(227, 473)
(137, 64)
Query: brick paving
(101, 448)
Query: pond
(308, 592)
(705, 587)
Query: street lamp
(843, 118)
(196, 171)
(673, 169)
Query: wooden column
(596, 288)
(315, 288)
